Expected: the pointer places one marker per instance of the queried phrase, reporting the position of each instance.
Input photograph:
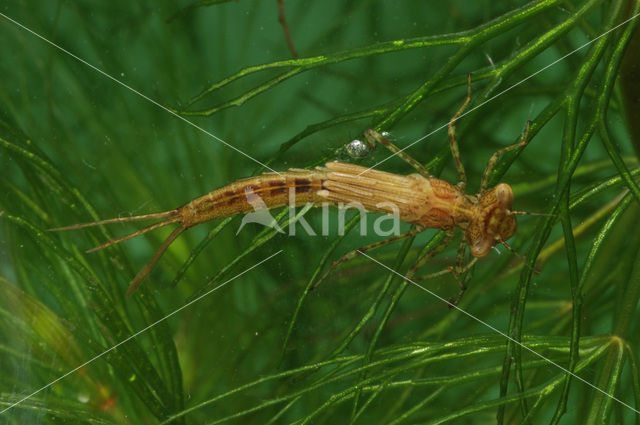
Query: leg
(460, 260)
(429, 254)
(494, 158)
(452, 301)
(455, 151)
(350, 255)
(458, 270)
(144, 272)
(446, 271)
(373, 136)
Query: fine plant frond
(122, 109)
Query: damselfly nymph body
(420, 199)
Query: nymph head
(494, 222)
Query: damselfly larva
(421, 199)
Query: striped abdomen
(269, 190)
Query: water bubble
(357, 149)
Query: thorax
(439, 204)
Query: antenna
(532, 213)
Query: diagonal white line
(504, 91)
(498, 331)
(137, 333)
(136, 91)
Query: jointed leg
(456, 300)
(455, 151)
(144, 272)
(373, 136)
(460, 259)
(458, 270)
(494, 158)
(349, 255)
(448, 270)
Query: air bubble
(357, 149)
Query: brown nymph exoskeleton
(421, 199)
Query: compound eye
(504, 195)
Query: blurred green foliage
(365, 347)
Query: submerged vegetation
(217, 334)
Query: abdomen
(268, 190)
